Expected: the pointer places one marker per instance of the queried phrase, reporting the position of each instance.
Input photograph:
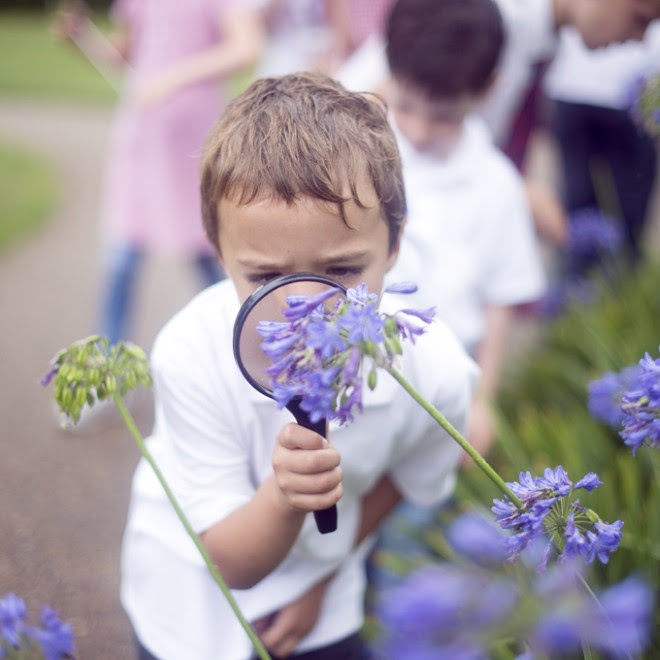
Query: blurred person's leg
(632, 160)
(121, 268)
(571, 127)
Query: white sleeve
(208, 461)
(424, 470)
(513, 271)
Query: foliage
(34, 62)
(543, 418)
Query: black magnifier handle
(326, 519)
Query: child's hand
(480, 432)
(306, 469)
(282, 631)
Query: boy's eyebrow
(345, 257)
(342, 258)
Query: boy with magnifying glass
(299, 175)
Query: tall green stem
(473, 453)
(137, 436)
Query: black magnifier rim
(253, 299)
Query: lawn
(27, 193)
(33, 62)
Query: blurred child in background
(469, 241)
(176, 55)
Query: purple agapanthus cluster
(640, 403)
(604, 395)
(592, 234)
(629, 400)
(547, 509)
(317, 353)
(565, 292)
(53, 640)
(464, 608)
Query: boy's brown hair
(302, 135)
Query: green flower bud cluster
(91, 370)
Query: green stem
(444, 423)
(137, 436)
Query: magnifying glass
(268, 303)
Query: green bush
(544, 421)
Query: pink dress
(152, 181)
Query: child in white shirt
(469, 241)
(299, 176)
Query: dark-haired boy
(469, 241)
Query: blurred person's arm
(72, 22)
(489, 357)
(548, 214)
(243, 38)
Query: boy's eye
(339, 272)
(262, 278)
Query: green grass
(33, 62)
(27, 193)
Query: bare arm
(243, 39)
(253, 540)
(489, 357)
(282, 631)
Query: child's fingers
(294, 436)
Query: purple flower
(546, 509)
(604, 540)
(477, 539)
(589, 482)
(363, 324)
(317, 353)
(576, 544)
(402, 287)
(442, 611)
(13, 612)
(55, 637)
(616, 622)
(301, 306)
(325, 337)
(640, 403)
(621, 625)
(592, 234)
(605, 395)
(47, 378)
(409, 328)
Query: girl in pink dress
(177, 54)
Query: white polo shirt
(469, 240)
(213, 438)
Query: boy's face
(601, 22)
(265, 239)
(432, 126)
